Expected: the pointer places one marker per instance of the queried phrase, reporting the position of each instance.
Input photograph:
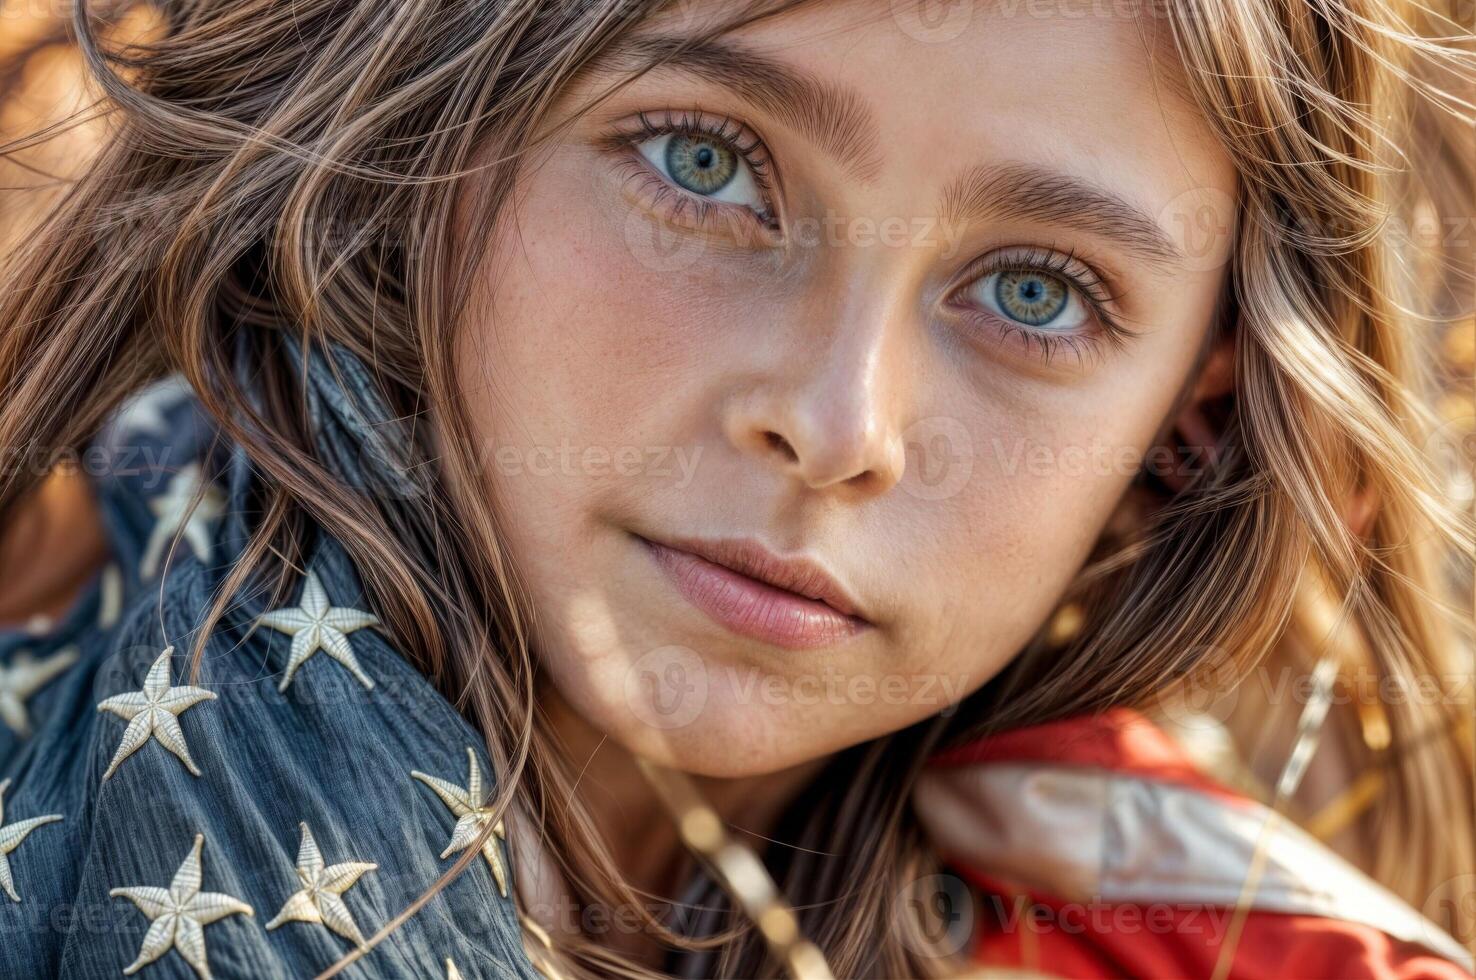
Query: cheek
(998, 555)
(579, 322)
(1045, 487)
(555, 357)
(1047, 466)
(575, 348)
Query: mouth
(745, 587)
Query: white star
(320, 899)
(316, 625)
(23, 678)
(472, 814)
(179, 915)
(110, 600)
(179, 513)
(10, 838)
(146, 410)
(153, 712)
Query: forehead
(1094, 89)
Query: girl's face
(810, 366)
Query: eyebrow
(834, 117)
(1027, 192)
(839, 120)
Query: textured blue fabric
(327, 751)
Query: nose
(827, 413)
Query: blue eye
(706, 166)
(1031, 297)
(700, 165)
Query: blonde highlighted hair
(277, 168)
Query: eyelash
(726, 130)
(1064, 265)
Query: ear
(1217, 373)
(1193, 427)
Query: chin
(672, 709)
(710, 751)
(736, 735)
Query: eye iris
(1030, 297)
(700, 165)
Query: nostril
(781, 445)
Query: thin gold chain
(739, 870)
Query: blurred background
(43, 86)
(52, 119)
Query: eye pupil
(700, 165)
(1033, 298)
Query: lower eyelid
(655, 192)
(1090, 341)
(1038, 343)
(1047, 346)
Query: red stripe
(1121, 740)
(1029, 931)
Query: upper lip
(800, 575)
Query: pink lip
(789, 602)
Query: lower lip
(752, 608)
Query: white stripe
(1091, 835)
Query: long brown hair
(292, 169)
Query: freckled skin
(582, 337)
